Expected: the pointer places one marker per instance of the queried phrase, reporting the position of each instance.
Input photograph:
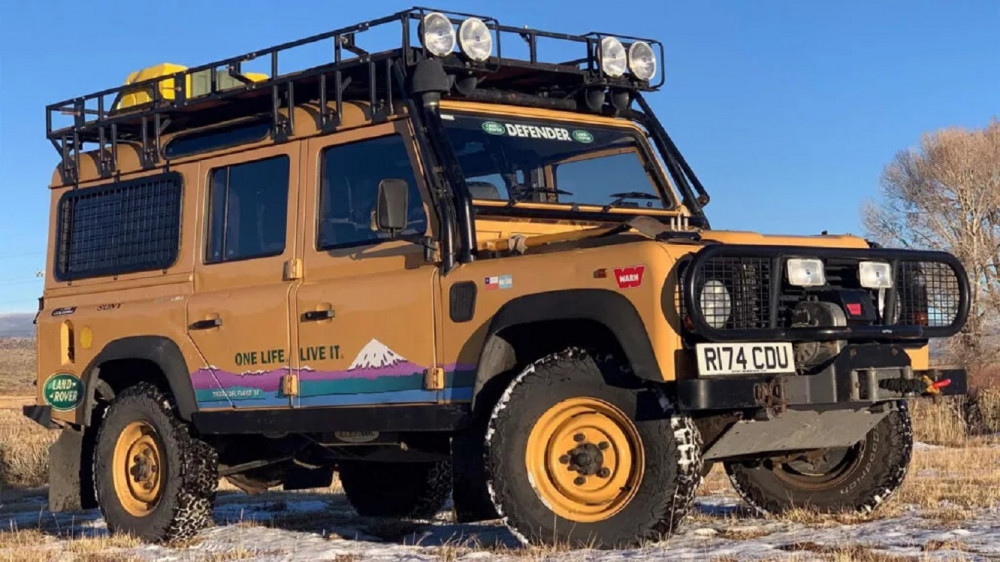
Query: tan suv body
(471, 291)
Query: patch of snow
(322, 526)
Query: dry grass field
(946, 510)
(17, 366)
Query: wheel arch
(157, 358)
(602, 310)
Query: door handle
(317, 315)
(206, 324)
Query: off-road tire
(877, 473)
(190, 465)
(671, 444)
(410, 490)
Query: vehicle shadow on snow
(329, 514)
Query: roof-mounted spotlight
(437, 34)
(641, 60)
(611, 55)
(475, 39)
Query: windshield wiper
(620, 198)
(521, 194)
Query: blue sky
(788, 111)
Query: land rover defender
(471, 265)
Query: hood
(750, 238)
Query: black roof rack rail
(358, 74)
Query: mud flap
(70, 480)
(469, 494)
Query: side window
(248, 210)
(350, 177)
(121, 227)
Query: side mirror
(391, 207)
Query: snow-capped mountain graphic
(376, 355)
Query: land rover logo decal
(493, 128)
(583, 136)
(63, 391)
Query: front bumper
(861, 374)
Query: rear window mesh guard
(122, 227)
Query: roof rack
(354, 73)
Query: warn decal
(628, 277)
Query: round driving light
(612, 57)
(437, 34)
(475, 40)
(641, 60)
(716, 303)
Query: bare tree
(945, 195)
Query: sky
(788, 111)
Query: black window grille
(122, 227)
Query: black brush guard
(929, 297)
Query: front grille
(741, 292)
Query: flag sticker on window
(499, 282)
(628, 277)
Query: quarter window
(351, 174)
(248, 210)
(122, 227)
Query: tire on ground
(863, 479)
(162, 485)
(415, 490)
(540, 444)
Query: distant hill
(17, 325)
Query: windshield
(530, 160)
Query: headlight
(437, 34)
(641, 60)
(475, 40)
(806, 272)
(875, 274)
(612, 57)
(716, 303)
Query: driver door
(365, 311)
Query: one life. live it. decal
(628, 277)
(63, 391)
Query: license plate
(745, 358)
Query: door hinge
(434, 378)
(293, 269)
(290, 385)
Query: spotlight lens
(641, 60)
(612, 57)
(475, 40)
(437, 34)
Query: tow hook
(770, 395)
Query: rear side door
(239, 315)
(365, 308)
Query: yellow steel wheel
(585, 459)
(137, 468)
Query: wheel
(154, 479)
(415, 490)
(860, 477)
(568, 462)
